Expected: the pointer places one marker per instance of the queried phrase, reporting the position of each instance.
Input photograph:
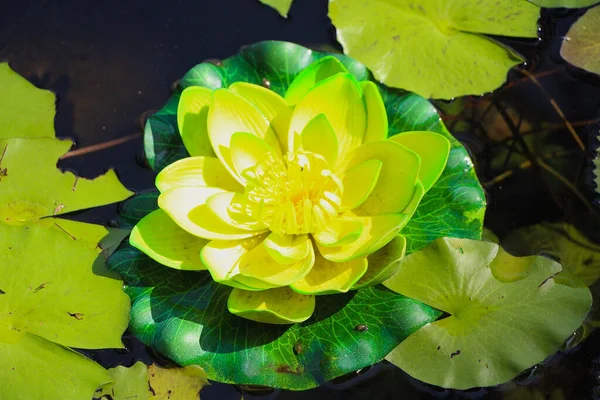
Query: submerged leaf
(405, 42)
(494, 330)
(561, 242)
(581, 45)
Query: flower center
(295, 197)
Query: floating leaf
(36, 369)
(184, 315)
(152, 382)
(97, 237)
(434, 51)
(282, 6)
(25, 111)
(494, 330)
(561, 242)
(564, 3)
(48, 302)
(32, 187)
(581, 45)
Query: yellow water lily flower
(285, 198)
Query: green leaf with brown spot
(581, 45)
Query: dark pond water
(110, 62)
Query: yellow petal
(187, 207)
(229, 207)
(275, 306)
(358, 182)
(377, 232)
(327, 277)
(258, 264)
(339, 232)
(395, 186)
(222, 257)
(164, 241)
(192, 113)
(377, 121)
(383, 263)
(197, 171)
(287, 249)
(432, 148)
(418, 194)
(277, 111)
(318, 137)
(247, 150)
(339, 98)
(308, 78)
(231, 113)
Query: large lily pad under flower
(434, 50)
(495, 329)
(183, 314)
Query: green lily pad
(49, 302)
(282, 6)
(580, 46)
(32, 186)
(494, 330)
(37, 369)
(564, 3)
(141, 382)
(184, 315)
(405, 43)
(561, 242)
(25, 111)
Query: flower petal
(197, 171)
(418, 194)
(327, 277)
(229, 207)
(258, 264)
(339, 98)
(164, 241)
(287, 249)
(231, 113)
(187, 207)
(222, 257)
(383, 263)
(377, 120)
(339, 232)
(277, 111)
(247, 150)
(433, 149)
(395, 186)
(315, 73)
(378, 231)
(318, 137)
(192, 113)
(358, 182)
(275, 306)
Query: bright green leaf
(37, 369)
(405, 42)
(97, 237)
(32, 187)
(282, 6)
(70, 300)
(25, 111)
(581, 46)
(564, 3)
(494, 330)
(129, 383)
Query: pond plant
(312, 216)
